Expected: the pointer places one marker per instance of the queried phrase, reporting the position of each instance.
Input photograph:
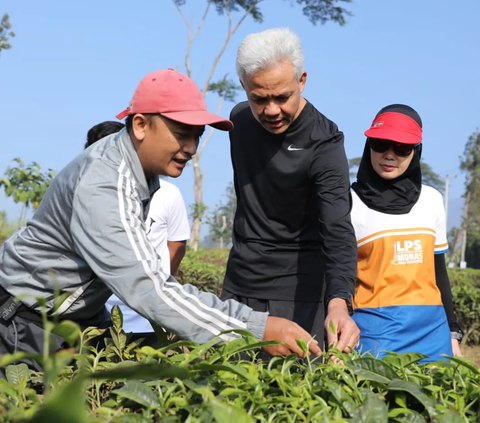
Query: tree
(432, 179)
(317, 11)
(454, 238)
(221, 219)
(354, 164)
(470, 164)
(5, 33)
(26, 184)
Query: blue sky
(75, 64)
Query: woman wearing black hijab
(403, 300)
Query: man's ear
(139, 124)
(302, 81)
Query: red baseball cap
(174, 96)
(397, 127)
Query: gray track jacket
(88, 239)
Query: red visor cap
(176, 97)
(397, 127)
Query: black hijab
(396, 196)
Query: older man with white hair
(294, 251)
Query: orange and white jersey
(396, 252)
(398, 306)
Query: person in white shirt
(167, 229)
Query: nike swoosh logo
(292, 148)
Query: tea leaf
(401, 399)
(373, 411)
(372, 369)
(402, 360)
(70, 331)
(65, 405)
(223, 413)
(450, 416)
(17, 374)
(303, 346)
(404, 415)
(7, 388)
(116, 316)
(416, 391)
(91, 333)
(139, 393)
(465, 362)
(332, 327)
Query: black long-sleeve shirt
(292, 229)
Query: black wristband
(347, 300)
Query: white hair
(264, 50)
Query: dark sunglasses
(399, 149)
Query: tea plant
(114, 381)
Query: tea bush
(466, 302)
(114, 380)
(187, 382)
(470, 277)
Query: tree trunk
(224, 226)
(456, 242)
(199, 210)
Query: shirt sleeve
(330, 173)
(443, 283)
(112, 240)
(178, 227)
(441, 244)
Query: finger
(294, 348)
(277, 350)
(351, 343)
(314, 348)
(335, 359)
(301, 333)
(346, 338)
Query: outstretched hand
(347, 334)
(286, 331)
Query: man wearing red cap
(87, 239)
